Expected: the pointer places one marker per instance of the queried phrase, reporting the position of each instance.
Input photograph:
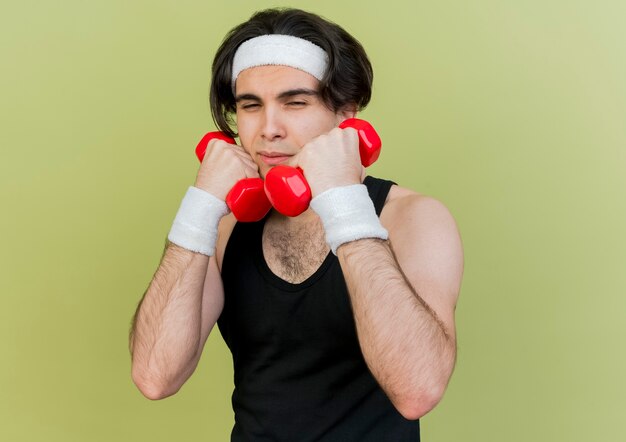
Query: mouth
(273, 158)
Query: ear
(348, 111)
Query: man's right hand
(223, 165)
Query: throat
(294, 250)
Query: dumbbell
(247, 199)
(288, 190)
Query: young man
(340, 320)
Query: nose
(272, 128)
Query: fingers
(331, 160)
(245, 157)
(239, 151)
(223, 165)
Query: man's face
(279, 111)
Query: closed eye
(249, 106)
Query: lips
(273, 158)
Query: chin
(263, 170)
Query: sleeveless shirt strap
(378, 190)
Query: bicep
(427, 245)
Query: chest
(294, 253)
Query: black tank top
(299, 372)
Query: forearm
(405, 345)
(165, 337)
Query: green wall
(511, 113)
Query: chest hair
(294, 252)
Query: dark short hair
(347, 81)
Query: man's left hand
(331, 160)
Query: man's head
(345, 83)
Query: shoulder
(405, 208)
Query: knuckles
(216, 148)
(332, 143)
(222, 166)
(331, 159)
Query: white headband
(282, 50)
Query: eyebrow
(286, 94)
(294, 92)
(242, 97)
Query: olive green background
(511, 113)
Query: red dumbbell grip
(247, 199)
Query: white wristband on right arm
(347, 214)
(195, 225)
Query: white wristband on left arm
(348, 214)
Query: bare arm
(173, 321)
(404, 302)
(186, 296)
